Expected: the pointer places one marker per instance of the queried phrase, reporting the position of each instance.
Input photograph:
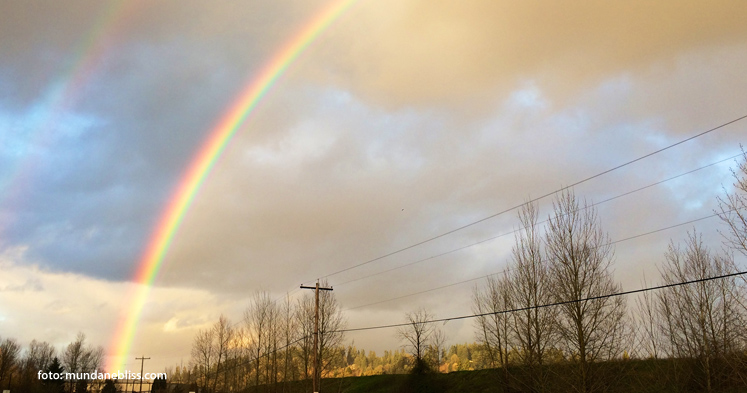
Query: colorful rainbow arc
(198, 170)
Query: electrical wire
(560, 303)
(235, 324)
(510, 269)
(506, 211)
(536, 199)
(507, 311)
(541, 222)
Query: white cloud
(306, 141)
(53, 307)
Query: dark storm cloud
(96, 160)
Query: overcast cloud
(401, 121)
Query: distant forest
(554, 321)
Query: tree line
(271, 346)
(20, 368)
(694, 337)
(700, 329)
(680, 338)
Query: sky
(401, 121)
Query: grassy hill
(634, 376)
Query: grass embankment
(634, 376)
(461, 381)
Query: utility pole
(316, 381)
(142, 361)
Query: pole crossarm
(320, 288)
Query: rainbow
(198, 170)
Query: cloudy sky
(403, 120)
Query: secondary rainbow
(198, 170)
(62, 94)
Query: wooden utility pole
(142, 361)
(316, 380)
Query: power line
(248, 361)
(256, 358)
(469, 316)
(287, 295)
(516, 207)
(504, 234)
(549, 304)
(536, 199)
(510, 269)
(275, 301)
(541, 222)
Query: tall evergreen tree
(55, 385)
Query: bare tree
(222, 331)
(702, 321)
(203, 355)
(257, 320)
(529, 287)
(81, 358)
(72, 358)
(733, 208)
(238, 352)
(417, 334)
(648, 324)
(580, 258)
(289, 333)
(331, 323)
(38, 357)
(733, 211)
(271, 345)
(437, 342)
(9, 350)
(494, 323)
(304, 315)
